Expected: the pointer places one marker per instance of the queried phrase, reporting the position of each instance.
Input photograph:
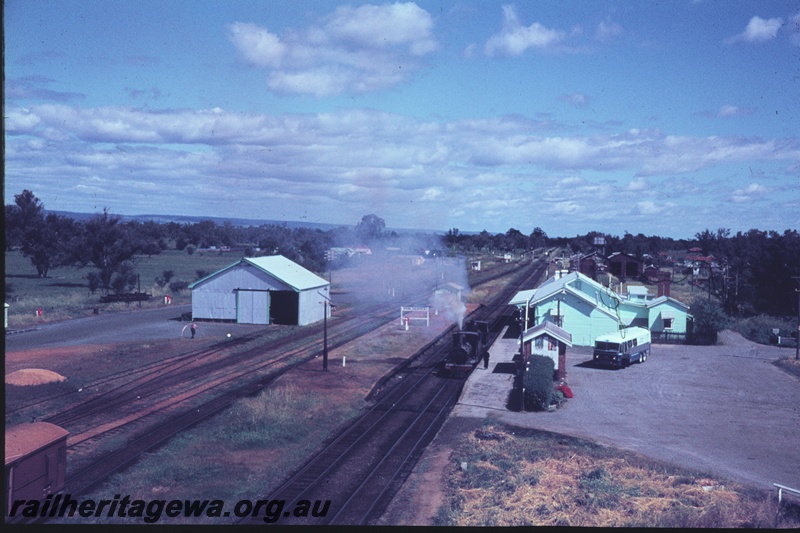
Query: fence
(125, 297)
(667, 337)
(782, 488)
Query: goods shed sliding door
(252, 307)
(285, 307)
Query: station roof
(548, 328)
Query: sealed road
(722, 409)
(108, 328)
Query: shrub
(759, 328)
(178, 286)
(537, 381)
(709, 319)
(93, 279)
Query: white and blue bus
(622, 347)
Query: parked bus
(622, 347)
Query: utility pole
(325, 302)
(325, 338)
(797, 333)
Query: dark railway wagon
(36, 461)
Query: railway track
(362, 468)
(118, 410)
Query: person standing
(486, 360)
(194, 329)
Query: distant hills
(239, 222)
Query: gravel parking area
(723, 409)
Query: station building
(586, 309)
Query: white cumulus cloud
(514, 38)
(352, 50)
(758, 30)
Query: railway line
(361, 469)
(147, 406)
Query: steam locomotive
(469, 346)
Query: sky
(656, 117)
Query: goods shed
(261, 290)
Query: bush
(537, 381)
(178, 286)
(709, 319)
(759, 328)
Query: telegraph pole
(325, 302)
(797, 333)
(325, 338)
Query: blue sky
(662, 118)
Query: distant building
(348, 251)
(590, 265)
(261, 290)
(624, 265)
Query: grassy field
(65, 294)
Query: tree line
(111, 245)
(756, 269)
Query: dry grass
(526, 477)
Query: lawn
(65, 293)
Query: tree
(538, 238)
(27, 211)
(516, 240)
(125, 278)
(42, 239)
(47, 243)
(107, 245)
(370, 228)
(709, 319)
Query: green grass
(65, 293)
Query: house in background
(261, 290)
(586, 309)
(590, 265)
(624, 265)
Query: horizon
(655, 118)
(329, 226)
